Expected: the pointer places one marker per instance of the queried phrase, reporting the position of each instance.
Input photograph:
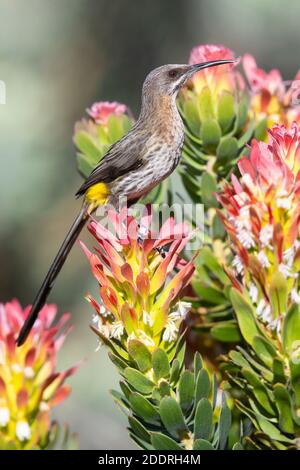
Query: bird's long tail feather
(53, 272)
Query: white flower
(117, 330)
(170, 333)
(275, 325)
(182, 308)
(246, 238)
(263, 259)
(147, 318)
(243, 221)
(253, 292)
(264, 311)
(248, 181)
(266, 234)
(141, 335)
(295, 296)
(104, 328)
(28, 372)
(286, 270)
(16, 368)
(284, 202)
(238, 265)
(44, 406)
(288, 256)
(23, 431)
(4, 416)
(103, 311)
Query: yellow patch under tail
(97, 195)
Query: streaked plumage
(132, 166)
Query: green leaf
(227, 332)
(85, 165)
(203, 420)
(261, 130)
(197, 364)
(227, 151)
(141, 354)
(243, 111)
(209, 188)
(272, 431)
(259, 390)
(291, 329)
(278, 293)
(139, 429)
(210, 134)
(264, 349)
(117, 361)
(224, 423)
(202, 385)
(218, 229)
(141, 383)
(278, 371)
(160, 364)
(226, 111)
(202, 444)
(172, 417)
(245, 316)
(283, 404)
(206, 108)
(237, 446)
(186, 390)
(164, 388)
(295, 379)
(175, 371)
(208, 294)
(207, 258)
(162, 442)
(181, 354)
(86, 144)
(191, 115)
(140, 442)
(144, 409)
(238, 359)
(115, 128)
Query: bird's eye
(173, 73)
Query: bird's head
(168, 79)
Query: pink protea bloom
(218, 79)
(140, 289)
(262, 215)
(102, 110)
(30, 386)
(271, 98)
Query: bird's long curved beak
(211, 63)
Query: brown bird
(132, 166)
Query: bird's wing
(122, 157)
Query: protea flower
(271, 97)
(107, 123)
(30, 386)
(102, 110)
(261, 215)
(137, 299)
(221, 78)
(214, 108)
(142, 279)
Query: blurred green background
(57, 57)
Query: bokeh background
(57, 57)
